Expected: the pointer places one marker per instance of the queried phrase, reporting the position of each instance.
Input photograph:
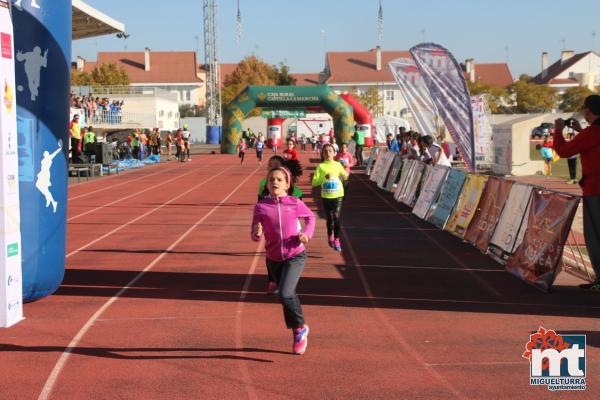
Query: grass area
(560, 168)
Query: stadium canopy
(89, 22)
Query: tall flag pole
(380, 21)
(238, 24)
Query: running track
(163, 298)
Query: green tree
(572, 99)
(532, 98)
(282, 75)
(80, 78)
(371, 100)
(109, 75)
(496, 97)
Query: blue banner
(448, 89)
(448, 197)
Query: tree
(496, 97)
(253, 71)
(371, 100)
(572, 99)
(105, 75)
(532, 98)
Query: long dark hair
(323, 150)
(295, 169)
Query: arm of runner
(309, 218)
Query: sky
(299, 32)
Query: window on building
(187, 95)
(170, 114)
(395, 114)
(389, 95)
(161, 113)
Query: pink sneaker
(337, 246)
(272, 288)
(300, 339)
(331, 239)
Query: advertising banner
(294, 113)
(378, 166)
(445, 80)
(512, 223)
(394, 173)
(482, 130)
(407, 166)
(448, 198)
(430, 190)
(371, 160)
(11, 287)
(385, 169)
(410, 191)
(415, 93)
(486, 216)
(537, 259)
(467, 204)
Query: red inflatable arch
(363, 118)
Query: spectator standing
(75, 135)
(587, 145)
(359, 138)
(89, 144)
(572, 162)
(186, 134)
(169, 141)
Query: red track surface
(164, 298)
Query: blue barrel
(213, 134)
(42, 32)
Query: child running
(260, 147)
(345, 158)
(328, 176)
(241, 148)
(290, 153)
(277, 218)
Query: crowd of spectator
(98, 109)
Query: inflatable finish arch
(285, 97)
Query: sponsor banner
(379, 163)
(445, 80)
(467, 204)
(448, 197)
(410, 191)
(502, 150)
(488, 212)
(430, 190)
(11, 293)
(482, 130)
(394, 173)
(371, 159)
(415, 93)
(537, 258)
(298, 113)
(512, 223)
(385, 169)
(407, 166)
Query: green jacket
(89, 137)
(359, 138)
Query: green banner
(283, 113)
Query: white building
(571, 70)
(171, 71)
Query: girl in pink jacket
(277, 219)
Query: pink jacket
(279, 217)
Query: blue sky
(291, 31)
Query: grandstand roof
(89, 22)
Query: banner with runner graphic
(512, 223)
(430, 190)
(445, 80)
(488, 212)
(392, 177)
(467, 204)
(407, 166)
(412, 183)
(537, 259)
(11, 286)
(448, 197)
(385, 169)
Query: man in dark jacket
(587, 144)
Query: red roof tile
(360, 66)
(557, 68)
(165, 66)
(306, 79)
(494, 74)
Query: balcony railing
(119, 91)
(107, 118)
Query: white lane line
(132, 194)
(434, 268)
(479, 279)
(145, 214)
(239, 342)
(142, 176)
(468, 364)
(49, 385)
(391, 329)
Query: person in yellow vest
(135, 144)
(75, 135)
(89, 143)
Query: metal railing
(117, 91)
(107, 118)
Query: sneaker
(337, 245)
(272, 288)
(331, 240)
(300, 339)
(595, 287)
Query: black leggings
(333, 211)
(572, 162)
(359, 155)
